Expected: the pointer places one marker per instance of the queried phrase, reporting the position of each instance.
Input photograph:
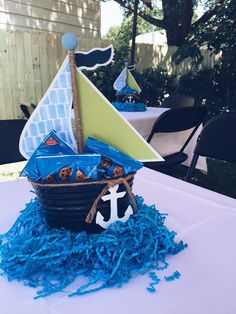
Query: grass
(221, 176)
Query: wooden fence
(29, 61)
(154, 55)
(58, 16)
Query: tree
(177, 16)
(215, 31)
(218, 35)
(123, 33)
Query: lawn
(221, 177)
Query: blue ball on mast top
(69, 41)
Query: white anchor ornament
(113, 197)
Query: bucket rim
(103, 181)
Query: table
(164, 143)
(204, 219)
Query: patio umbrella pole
(134, 32)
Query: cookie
(65, 174)
(50, 179)
(117, 171)
(80, 175)
(106, 163)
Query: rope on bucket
(112, 183)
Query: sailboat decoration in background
(126, 79)
(99, 118)
(128, 92)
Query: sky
(111, 15)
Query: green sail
(132, 83)
(102, 121)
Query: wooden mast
(126, 73)
(70, 43)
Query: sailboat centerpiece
(127, 92)
(83, 181)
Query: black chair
(10, 131)
(27, 110)
(176, 120)
(33, 106)
(217, 140)
(177, 101)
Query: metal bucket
(69, 205)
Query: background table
(164, 143)
(204, 219)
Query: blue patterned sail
(52, 112)
(124, 79)
(121, 80)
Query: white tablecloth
(204, 219)
(164, 143)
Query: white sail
(52, 112)
(121, 80)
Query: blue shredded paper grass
(129, 107)
(51, 259)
